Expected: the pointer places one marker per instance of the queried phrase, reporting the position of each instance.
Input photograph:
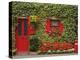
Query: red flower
(55, 45)
(45, 46)
(76, 46)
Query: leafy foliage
(34, 43)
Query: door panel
(22, 40)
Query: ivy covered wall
(67, 13)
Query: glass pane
(54, 23)
(19, 28)
(25, 26)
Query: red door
(22, 37)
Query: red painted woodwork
(32, 30)
(28, 25)
(48, 24)
(61, 28)
(22, 41)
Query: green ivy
(67, 13)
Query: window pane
(25, 26)
(54, 23)
(19, 28)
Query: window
(25, 26)
(19, 28)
